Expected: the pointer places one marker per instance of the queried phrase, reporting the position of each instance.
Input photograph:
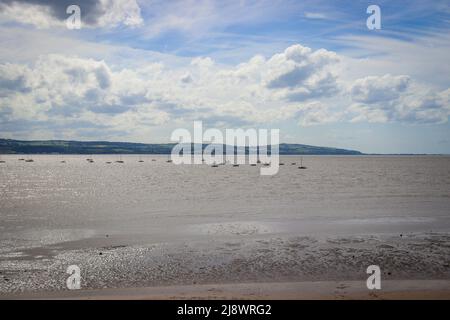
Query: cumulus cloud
(390, 98)
(379, 89)
(12, 78)
(60, 92)
(94, 13)
(303, 73)
(186, 78)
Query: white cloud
(116, 12)
(397, 99)
(374, 89)
(424, 57)
(94, 13)
(33, 14)
(315, 15)
(74, 94)
(303, 73)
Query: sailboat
(301, 164)
(120, 159)
(1, 161)
(140, 159)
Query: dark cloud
(103, 77)
(372, 89)
(12, 80)
(91, 10)
(109, 108)
(292, 78)
(133, 99)
(325, 87)
(8, 86)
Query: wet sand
(299, 264)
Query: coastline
(307, 290)
(412, 266)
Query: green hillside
(8, 146)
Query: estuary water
(49, 208)
(160, 200)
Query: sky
(137, 70)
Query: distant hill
(291, 148)
(8, 146)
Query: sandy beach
(319, 290)
(413, 266)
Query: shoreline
(298, 263)
(306, 290)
